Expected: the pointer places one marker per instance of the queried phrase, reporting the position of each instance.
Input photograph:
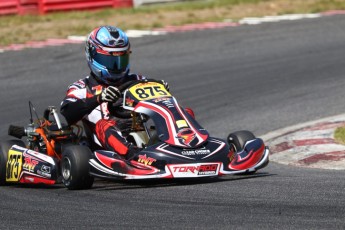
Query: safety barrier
(63, 5)
(45, 6)
(28, 6)
(9, 7)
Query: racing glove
(166, 85)
(110, 94)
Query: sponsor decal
(194, 170)
(196, 152)
(30, 179)
(38, 156)
(161, 99)
(98, 89)
(105, 111)
(231, 154)
(45, 171)
(146, 160)
(129, 102)
(79, 84)
(30, 164)
(168, 104)
(186, 135)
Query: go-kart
(173, 145)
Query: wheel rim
(66, 168)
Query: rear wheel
(75, 167)
(4, 148)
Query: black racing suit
(82, 104)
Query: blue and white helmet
(107, 52)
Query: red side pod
(140, 167)
(249, 157)
(106, 160)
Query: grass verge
(19, 29)
(339, 135)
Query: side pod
(27, 166)
(250, 156)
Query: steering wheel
(116, 108)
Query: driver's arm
(78, 102)
(75, 108)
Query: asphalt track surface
(261, 78)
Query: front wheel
(75, 167)
(5, 146)
(237, 141)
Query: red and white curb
(172, 29)
(199, 26)
(39, 44)
(309, 144)
(288, 17)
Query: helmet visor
(114, 64)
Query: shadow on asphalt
(100, 185)
(106, 185)
(37, 186)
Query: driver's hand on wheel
(110, 94)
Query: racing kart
(172, 143)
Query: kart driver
(107, 52)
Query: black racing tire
(239, 139)
(4, 148)
(75, 167)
